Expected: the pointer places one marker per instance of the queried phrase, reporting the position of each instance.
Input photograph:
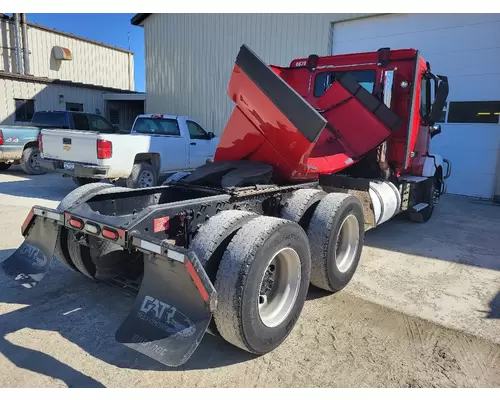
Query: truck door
(201, 146)
(165, 139)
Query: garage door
(465, 48)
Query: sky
(107, 28)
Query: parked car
(157, 146)
(18, 143)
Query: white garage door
(465, 48)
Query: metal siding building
(94, 70)
(189, 59)
(189, 72)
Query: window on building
(74, 107)
(474, 112)
(114, 116)
(196, 131)
(324, 80)
(24, 110)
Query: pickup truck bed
(19, 144)
(157, 146)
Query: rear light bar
(94, 228)
(1, 138)
(104, 149)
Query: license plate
(69, 165)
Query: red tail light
(76, 223)
(104, 149)
(1, 137)
(40, 143)
(109, 233)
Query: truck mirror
(435, 130)
(211, 135)
(440, 100)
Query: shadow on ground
(49, 186)
(88, 315)
(462, 230)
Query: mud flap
(32, 260)
(171, 312)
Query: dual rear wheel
(262, 267)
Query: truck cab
(405, 83)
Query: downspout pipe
(26, 52)
(17, 44)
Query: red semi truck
(313, 155)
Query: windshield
(53, 119)
(160, 126)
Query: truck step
(419, 207)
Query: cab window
(157, 126)
(324, 80)
(196, 131)
(425, 97)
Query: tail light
(104, 149)
(1, 137)
(40, 143)
(109, 233)
(76, 223)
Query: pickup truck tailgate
(70, 145)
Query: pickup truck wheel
(336, 236)
(4, 166)
(30, 162)
(262, 284)
(143, 175)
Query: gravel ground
(422, 310)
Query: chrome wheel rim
(347, 243)
(146, 179)
(35, 160)
(279, 287)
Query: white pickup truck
(157, 146)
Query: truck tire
(300, 206)
(80, 256)
(61, 249)
(212, 239)
(336, 236)
(111, 260)
(427, 195)
(143, 175)
(262, 283)
(30, 161)
(4, 166)
(214, 235)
